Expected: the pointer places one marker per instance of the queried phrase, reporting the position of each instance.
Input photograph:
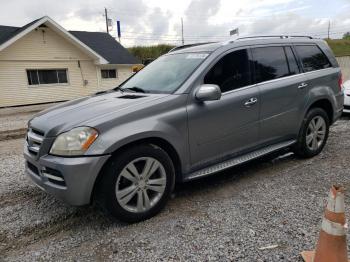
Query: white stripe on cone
(336, 203)
(333, 228)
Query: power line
(195, 15)
(158, 35)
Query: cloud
(204, 8)
(158, 21)
(197, 24)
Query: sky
(148, 22)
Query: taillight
(340, 81)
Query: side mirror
(208, 93)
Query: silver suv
(191, 113)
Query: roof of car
(258, 40)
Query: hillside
(149, 52)
(340, 47)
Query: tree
(346, 36)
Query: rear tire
(313, 134)
(137, 183)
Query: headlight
(74, 142)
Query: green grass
(149, 52)
(340, 47)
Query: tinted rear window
(312, 57)
(270, 63)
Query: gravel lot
(16, 118)
(223, 218)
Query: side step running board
(238, 160)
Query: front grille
(34, 140)
(346, 107)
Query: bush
(144, 53)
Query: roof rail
(176, 48)
(275, 36)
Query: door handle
(302, 85)
(251, 102)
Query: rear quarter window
(312, 58)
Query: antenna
(106, 16)
(182, 31)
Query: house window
(47, 76)
(109, 73)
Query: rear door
(283, 92)
(318, 69)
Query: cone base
(308, 256)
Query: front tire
(136, 183)
(313, 134)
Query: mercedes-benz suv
(191, 113)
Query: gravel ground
(14, 118)
(223, 218)
(13, 122)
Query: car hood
(85, 110)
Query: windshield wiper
(109, 91)
(118, 88)
(134, 89)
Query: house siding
(123, 72)
(38, 50)
(37, 45)
(15, 90)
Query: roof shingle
(106, 46)
(7, 32)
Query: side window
(47, 76)
(292, 62)
(270, 63)
(230, 72)
(109, 73)
(312, 57)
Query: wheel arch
(156, 141)
(326, 105)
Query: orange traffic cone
(331, 245)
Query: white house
(42, 62)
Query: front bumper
(78, 174)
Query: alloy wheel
(316, 133)
(141, 184)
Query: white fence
(344, 62)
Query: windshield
(165, 74)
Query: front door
(220, 129)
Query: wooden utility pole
(182, 31)
(106, 16)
